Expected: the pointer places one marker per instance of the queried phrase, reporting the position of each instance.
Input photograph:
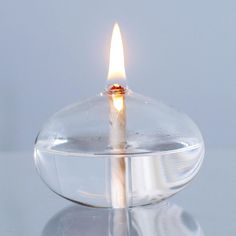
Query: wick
(117, 121)
(116, 89)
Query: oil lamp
(118, 149)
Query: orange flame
(116, 64)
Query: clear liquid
(152, 173)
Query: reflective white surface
(163, 219)
(29, 208)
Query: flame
(118, 102)
(116, 64)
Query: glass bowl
(163, 152)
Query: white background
(55, 52)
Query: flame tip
(116, 25)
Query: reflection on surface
(163, 219)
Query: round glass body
(163, 151)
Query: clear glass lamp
(118, 149)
